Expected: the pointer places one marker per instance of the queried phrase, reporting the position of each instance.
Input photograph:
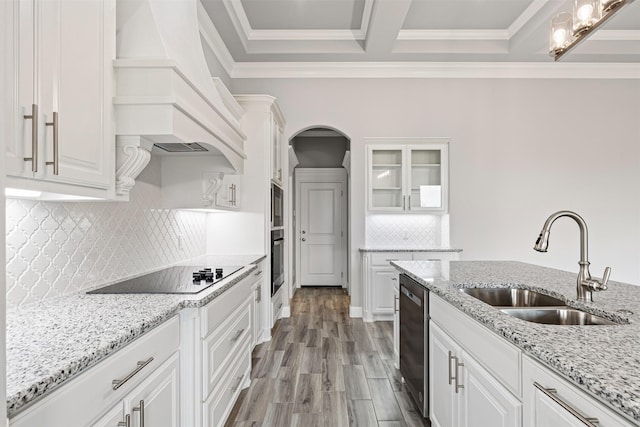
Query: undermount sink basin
(512, 297)
(557, 316)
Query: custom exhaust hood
(166, 102)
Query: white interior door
(320, 234)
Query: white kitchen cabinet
(380, 277)
(552, 401)
(463, 389)
(396, 323)
(149, 369)
(277, 148)
(228, 195)
(155, 402)
(407, 175)
(63, 134)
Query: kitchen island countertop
(602, 360)
(50, 342)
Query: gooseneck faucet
(586, 285)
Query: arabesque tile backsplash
(407, 231)
(55, 249)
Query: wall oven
(277, 260)
(277, 207)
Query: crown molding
(212, 37)
(440, 70)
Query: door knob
(304, 232)
(304, 240)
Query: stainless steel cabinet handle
(259, 272)
(126, 422)
(552, 393)
(409, 204)
(237, 385)
(237, 335)
(395, 304)
(404, 203)
(279, 306)
(141, 409)
(259, 294)
(116, 384)
(55, 162)
(451, 357)
(34, 138)
(457, 378)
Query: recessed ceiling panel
(463, 14)
(304, 14)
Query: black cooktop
(173, 280)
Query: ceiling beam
(387, 18)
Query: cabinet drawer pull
(126, 422)
(34, 138)
(141, 409)
(451, 357)
(116, 384)
(552, 393)
(391, 259)
(237, 335)
(457, 378)
(237, 385)
(259, 272)
(395, 304)
(55, 162)
(279, 306)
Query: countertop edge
(408, 249)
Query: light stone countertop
(406, 249)
(602, 360)
(51, 342)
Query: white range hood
(164, 92)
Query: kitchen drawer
(541, 410)
(79, 401)
(219, 404)
(220, 349)
(383, 258)
(218, 310)
(499, 357)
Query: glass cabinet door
(386, 179)
(425, 181)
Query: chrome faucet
(586, 285)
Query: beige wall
(520, 149)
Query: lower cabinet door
(484, 401)
(155, 402)
(383, 280)
(443, 401)
(112, 418)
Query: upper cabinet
(408, 174)
(277, 146)
(59, 114)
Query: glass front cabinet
(408, 174)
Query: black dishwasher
(414, 340)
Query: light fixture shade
(561, 32)
(585, 14)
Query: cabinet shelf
(387, 165)
(386, 188)
(425, 165)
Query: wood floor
(323, 368)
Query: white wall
(520, 149)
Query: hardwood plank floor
(323, 368)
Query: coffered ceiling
(410, 31)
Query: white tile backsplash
(55, 249)
(395, 230)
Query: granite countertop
(602, 360)
(51, 342)
(407, 249)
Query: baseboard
(355, 312)
(286, 311)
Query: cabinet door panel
(443, 401)
(159, 392)
(75, 82)
(383, 283)
(485, 401)
(111, 418)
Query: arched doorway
(320, 208)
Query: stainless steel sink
(512, 297)
(557, 316)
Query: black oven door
(277, 260)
